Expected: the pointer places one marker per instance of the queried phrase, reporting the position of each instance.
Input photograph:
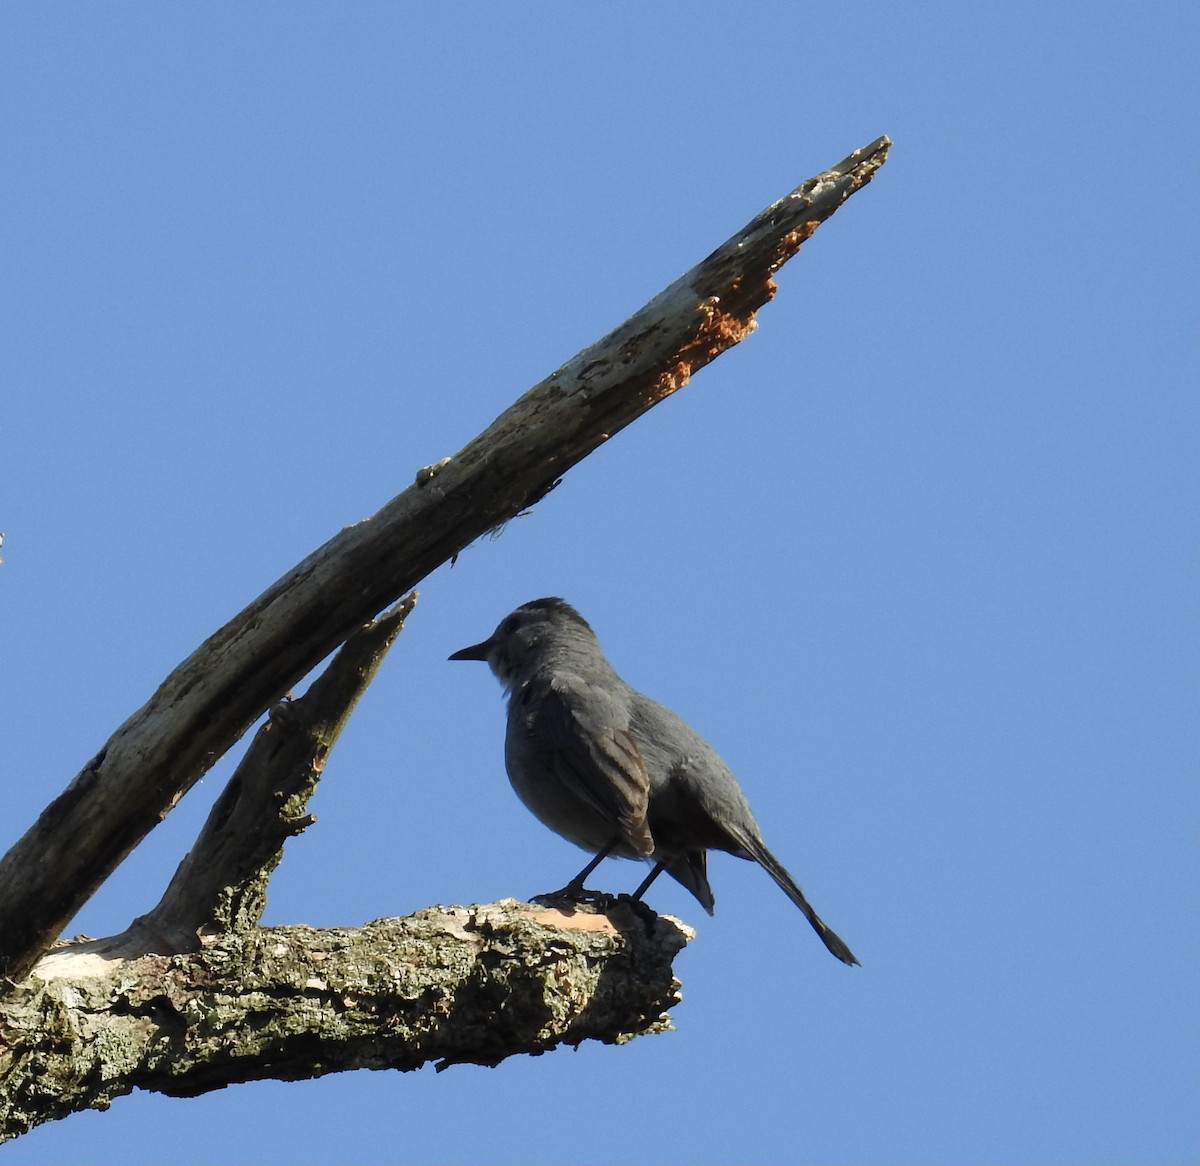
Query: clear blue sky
(919, 557)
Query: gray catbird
(613, 771)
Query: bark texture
(213, 697)
(447, 985)
(194, 995)
(222, 883)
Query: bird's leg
(574, 891)
(644, 911)
(575, 886)
(658, 869)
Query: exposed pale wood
(448, 984)
(210, 700)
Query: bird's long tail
(756, 849)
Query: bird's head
(535, 633)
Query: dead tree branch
(207, 703)
(464, 984)
(222, 883)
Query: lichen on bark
(444, 985)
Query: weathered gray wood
(221, 885)
(210, 699)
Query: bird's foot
(643, 911)
(575, 896)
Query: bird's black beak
(474, 652)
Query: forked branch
(210, 700)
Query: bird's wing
(582, 734)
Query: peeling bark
(214, 696)
(445, 985)
(194, 996)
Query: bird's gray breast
(572, 760)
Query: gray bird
(613, 771)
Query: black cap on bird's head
(524, 631)
(536, 611)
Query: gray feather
(614, 771)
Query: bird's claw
(642, 910)
(571, 896)
(575, 897)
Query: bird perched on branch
(613, 771)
